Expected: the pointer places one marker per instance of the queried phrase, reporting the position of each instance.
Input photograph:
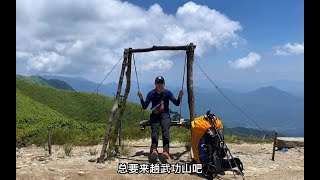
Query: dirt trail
(32, 162)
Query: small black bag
(159, 107)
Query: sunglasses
(159, 82)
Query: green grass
(79, 106)
(44, 82)
(76, 117)
(29, 111)
(32, 80)
(248, 139)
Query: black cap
(158, 79)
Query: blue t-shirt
(154, 97)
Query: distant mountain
(241, 131)
(270, 107)
(293, 87)
(56, 83)
(271, 93)
(269, 90)
(81, 84)
(110, 89)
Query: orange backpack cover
(199, 127)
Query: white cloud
(47, 62)
(158, 65)
(245, 62)
(76, 47)
(22, 55)
(91, 34)
(289, 49)
(208, 26)
(59, 46)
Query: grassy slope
(41, 107)
(55, 83)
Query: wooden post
(114, 109)
(118, 129)
(49, 141)
(158, 48)
(274, 145)
(190, 58)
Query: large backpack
(199, 127)
(209, 148)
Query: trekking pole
(210, 116)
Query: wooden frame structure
(126, 65)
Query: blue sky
(269, 21)
(237, 41)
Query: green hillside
(31, 111)
(33, 118)
(77, 115)
(79, 106)
(44, 82)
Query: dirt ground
(34, 163)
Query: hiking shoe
(153, 156)
(165, 158)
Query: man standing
(159, 97)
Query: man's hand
(140, 94)
(180, 94)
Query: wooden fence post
(274, 145)
(49, 141)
